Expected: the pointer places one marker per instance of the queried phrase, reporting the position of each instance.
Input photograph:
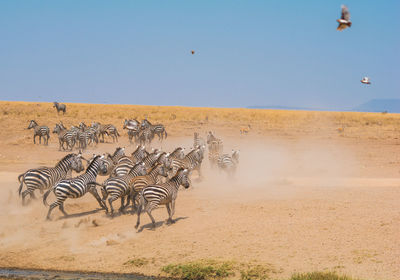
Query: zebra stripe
(64, 136)
(45, 177)
(118, 187)
(41, 131)
(162, 194)
(76, 187)
(229, 163)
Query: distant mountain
(380, 105)
(277, 107)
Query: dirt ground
(299, 202)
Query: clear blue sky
(247, 52)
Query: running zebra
(192, 161)
(64, 136)
(152, 158)
(178, 153)
(118, 187)
(45, 177)
(215, 142)
(110, 161)
(228, 163)
(60, 107)
(197, 140)
(138, 183)
(133, 127)
(76, 187)
(108, 129)
(162, 194)
(158, 129)
(41, 131)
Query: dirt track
(298, 203)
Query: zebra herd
(142, 180)
(83, 135)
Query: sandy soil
(298, 203)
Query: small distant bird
(365, 80)
(192, 51)
(344, 20)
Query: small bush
(319, 276)
(137, 262)
(199, 270)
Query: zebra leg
(24, 194)
(148, 210)
(93, 191)
(34, 139)
(172, 212)
(52, 206)
(110, 200)
(40, 139)
(61, 207)
(169, 220)
(121, 209)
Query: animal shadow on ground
(149, 226)
(81, 214)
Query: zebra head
(139, 168)
(183, 175)
(163, 170)
(32, 124)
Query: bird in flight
(344, 20)
(366, 81)
(192, 51)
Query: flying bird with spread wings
(366, 81)
(192, 51)
(344, 20)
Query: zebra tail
(46, 194)
(21, 183)
(165, 132)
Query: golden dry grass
(181, 121)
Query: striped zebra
(92, 133)
(108, 129)
(137, 184)
(178, 153)
(110, 161)
(192, 161)
(151, 159)
(118, 187)
(125, 163)
(64, 136)
(228, 163)
(213, 153)
(197, 140)
(60, 107)
(215, 142)
(157, 129)
(41, 131)
(146, 136)
(133, 127)
(162, 194)
(45, 177)
(76, 187)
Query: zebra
(41, 131)
(139, 154)
(146, 135)
(229, 162)
(192, 161)
(151, 159)
(109, 161)
(125, 163)
(133, 127)
(108, 129)
(45, 177)
(162, 194)
(90, 133)
(60, 107)
(213, 153)
(76, 187)
(197, 140)
(158, 129)
(64, 136)
(136, 184)
(118, 187)
(178, 153)
(212, 140)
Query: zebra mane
(92, 162)
(65, 158)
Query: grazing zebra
(41, 131)
(228, 163)
(108, 129)
(162, 194)
(138, 183)
(60, 107)
(65, 136)
(118, 187)
(133, 127)
(198, 141)
(76, 187)
(158, 129)
(45, 177)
